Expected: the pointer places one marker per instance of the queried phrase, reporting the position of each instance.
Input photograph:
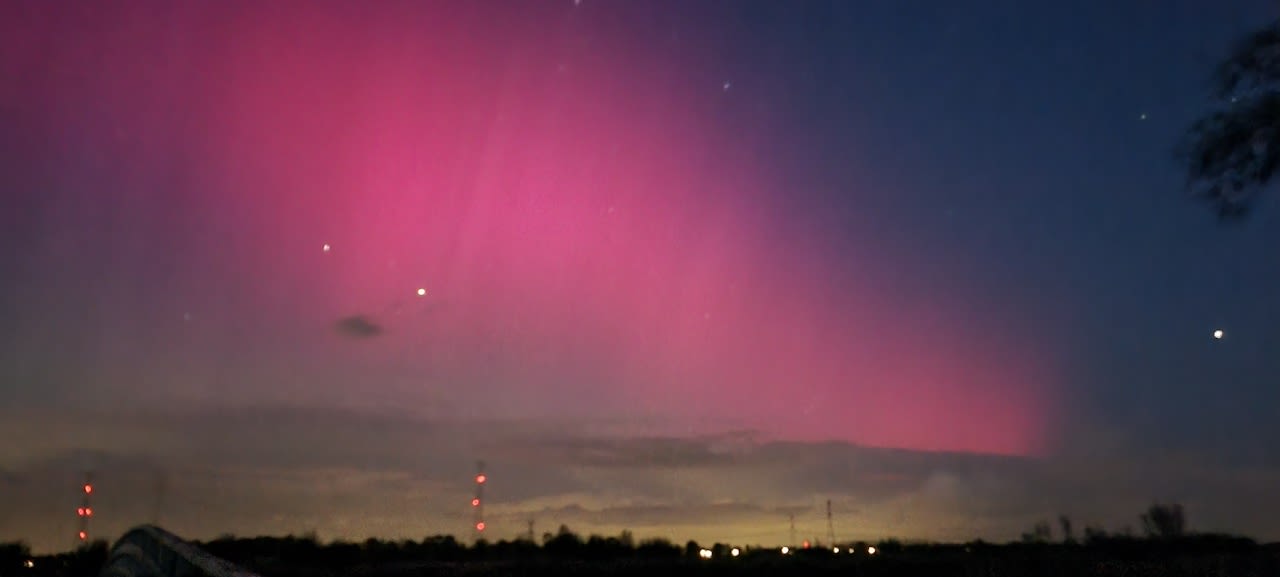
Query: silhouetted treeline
(13, 558)
(564, 544)
(567, 553)
(1166, 547)
(16, 560)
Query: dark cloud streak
(358, 327)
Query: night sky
(680, 267)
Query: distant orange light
(475, 502)
(480, 479)
(88, 512)
(88, 488)
(80, 511)
(480, 526)
(806, 544)
(83, 535)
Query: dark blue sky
(1010, 143)
(687, 267)
(1029, 151)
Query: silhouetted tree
(520, 548)
(89, 558)
(1040, 533)
(1233, 152)
(480, 549)
(598, 547)
(658, 549)
(1164, 521)
(721, 550)
(566, 542)
(1068, 536)
(12, 556)
(442, 547)
(889, 546)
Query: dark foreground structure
(149, 551)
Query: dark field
(565, 555)
(1121, 557)
(1046, 565)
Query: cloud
(357, 473)
(9, 480)
(358, 327)
(664, 514)
(597, 452)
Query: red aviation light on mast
(477, 502)
(86, 509)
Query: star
(186, 317)
(326, 247)
(1218, 334)
(422, 292)
(727, 85)
(1143, 116)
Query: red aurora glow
(592, 240)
